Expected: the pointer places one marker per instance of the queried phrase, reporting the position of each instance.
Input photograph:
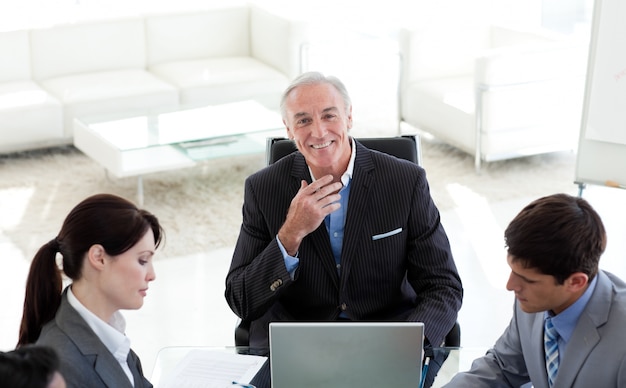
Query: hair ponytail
(105, 219)
(43, 293)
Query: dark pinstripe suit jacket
(85, 360)
(396, 262)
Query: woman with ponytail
(106, 246)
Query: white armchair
(493, 92)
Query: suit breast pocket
(386, 234)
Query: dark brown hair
(105, 219)
(558, 235)
(30, 366)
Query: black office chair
(406, 147)
(453, 338)
(242, 335)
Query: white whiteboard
(602, 144)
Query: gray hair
(314, 78)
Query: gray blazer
(394, 247)
(595, 355)
(85, 361)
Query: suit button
(277, 283)
(343, 307)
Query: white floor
(186, 306)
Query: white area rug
(200, 207)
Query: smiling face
(537, 292)
(125, 277)
(318, 121)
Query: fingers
(312, 203)
(321, 188)
(307, 210)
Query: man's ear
(350, 118)
(289, 134)
(96, 256)
(577, 281)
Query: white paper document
(213, 369)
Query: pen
(243, 385)
(424, 371)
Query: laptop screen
(346, 354)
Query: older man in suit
(568, 319)
(337, 231)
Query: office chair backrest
(404, 147)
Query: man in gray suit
(568, 320)
(336, 231)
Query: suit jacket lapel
(110, 371)
(585, 336)
(135, 367)
(358, 207)
(105, 365)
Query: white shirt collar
(110, 333)
(347, 175)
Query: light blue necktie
(551, 344)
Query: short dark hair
(559, 235)
(31, 366)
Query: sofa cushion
(29, 116)
(110, 94)
(221, 80)
(207, 34)
(88, 47)
(14, 56)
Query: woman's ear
(96, 256)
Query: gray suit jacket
(85, 361)
(595, 355)
(396, 262)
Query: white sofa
(28, 113)
(135, 65)
(491, 91)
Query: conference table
(174, 362)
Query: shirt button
(343, 307)
(335, 234)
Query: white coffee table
(152, 143)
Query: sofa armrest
(277, 39)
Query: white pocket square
(388, 234)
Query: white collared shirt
(110, 333)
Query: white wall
(380, 17)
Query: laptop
(346, 354)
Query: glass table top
(189, 128)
